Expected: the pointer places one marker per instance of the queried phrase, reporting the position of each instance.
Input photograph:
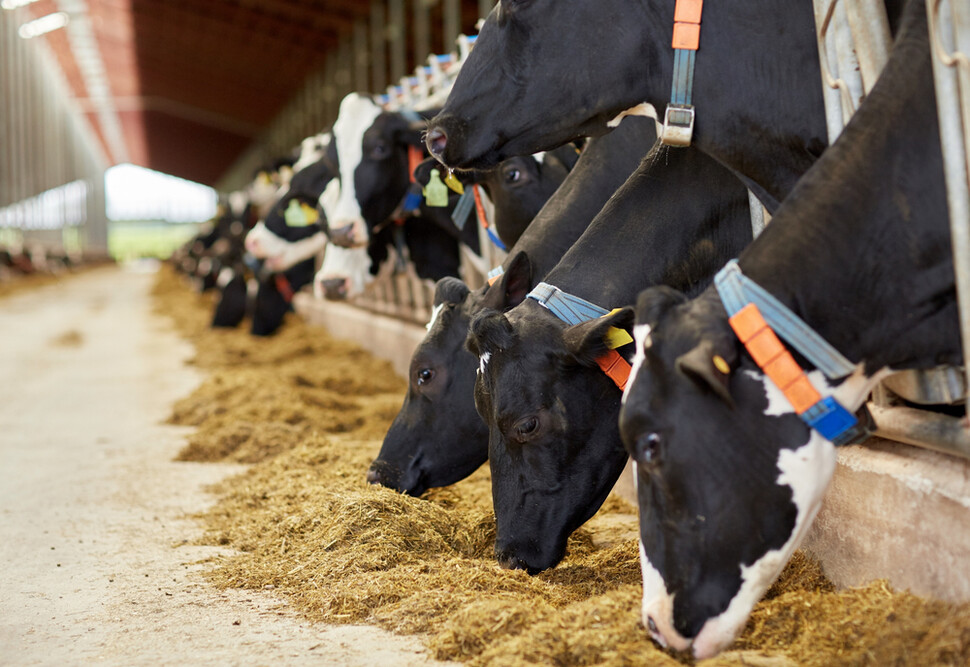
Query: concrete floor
(94, 565)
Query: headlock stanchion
(854, 42)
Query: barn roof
(194, 82)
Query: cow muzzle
(351, 235)
(332, 289)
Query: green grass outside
(131, 240)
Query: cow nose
(373, 477)
(437, 140)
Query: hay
(310, 412)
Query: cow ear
(654, 302)
(489, 332)
(450, 290)
(589, 340)
(709, 368)
(512, 286)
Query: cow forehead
(357, 113)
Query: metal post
(485, 7)
(378, 47)
(395, 30)
(361, 57)
(451, 25)
(950, 42)
(422, 31)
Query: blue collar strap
(567, 307)
(573, 310)
(756, 316)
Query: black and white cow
(554, 446)
(544, 72)
(290, 237)
(438, 438)
(730, 478)
(371, 148)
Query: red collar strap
(284, 287)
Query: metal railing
(853, 44)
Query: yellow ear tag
(436, 192)
(615, 337)
(310, 213)
(452, 182)
(264, 178)
(296, 215)
(720, 364)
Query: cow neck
(877, 289)
(784, 95)
(674, 222)
(602, 168)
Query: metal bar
(378, 46)
(870, 30)
(395, 30)
(451, 25)
(485, 7)
(929, 430)
(955, 152)
(361, 57)
(422, 31)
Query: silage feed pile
(309, 412)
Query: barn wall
(51, 166)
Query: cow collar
(678, 126)
(755, 315)
(572, 310)
(284, 287)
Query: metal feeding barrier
(397, 290)
(853, 43)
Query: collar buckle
(678, 127)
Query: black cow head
(437, 438)
(728, 477)
(543, 73)
(371, 147)
(553, 445)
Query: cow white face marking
(279, 253)
(641, 336)
(357, 113)
(658, 607)
(350, 264)
(483, 362)
(434, 316)
(312, 151)
(540, 158)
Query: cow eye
(526, 427)
(424, 376)
(648, 448)
(380, 151)
(512, 175)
